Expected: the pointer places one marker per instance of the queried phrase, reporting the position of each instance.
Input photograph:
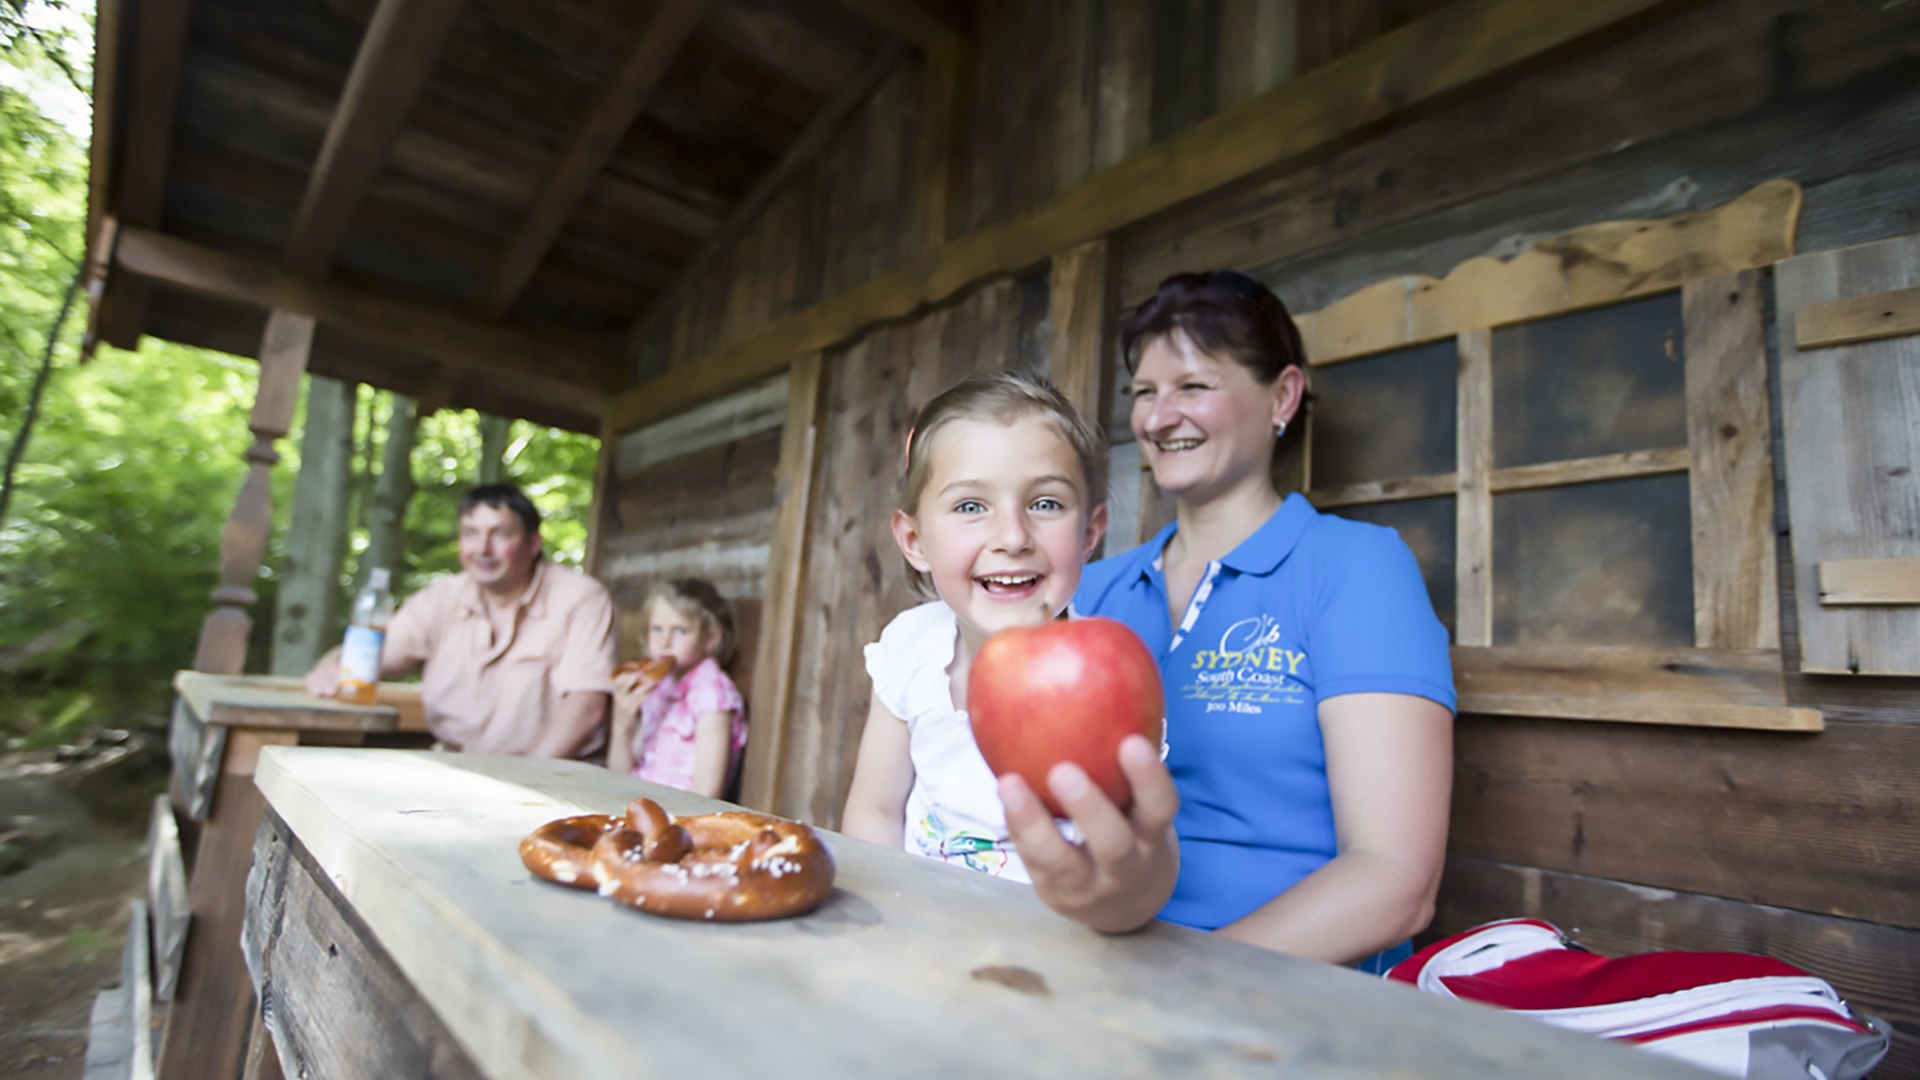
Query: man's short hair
(508, 496)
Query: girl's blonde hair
(697, 599)
(1003, 397)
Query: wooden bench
(219, 725)
(392, 931)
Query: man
(518, 652)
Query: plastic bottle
(366, 633)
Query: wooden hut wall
(1637, 836)
(1647, 837)
(1058, 90)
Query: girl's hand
(629, 689)
(1121, 874)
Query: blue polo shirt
(1309, 607)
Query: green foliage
(109, 548)
(554, 467)
(115, 528)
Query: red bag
(1733, 1013)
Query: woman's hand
(1121, 874)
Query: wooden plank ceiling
(525, 176)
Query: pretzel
(736, 866)
(654, 668)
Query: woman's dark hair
(1226, 314)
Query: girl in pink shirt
(685, 729)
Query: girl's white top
(953, 809)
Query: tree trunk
(309, 596)
(39, 391)
(387, 527)
(494, 432)
(366, 467)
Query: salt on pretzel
(735, 866)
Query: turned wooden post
(243, 543)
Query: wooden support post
(1736, 601)
(1473, 505)
(785, 594)
(137, 190)
(211, 1020)
(1080, 310)
(1326, 30)
(605, 498)
(943, 105)
(243, 544)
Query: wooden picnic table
(220, 724)
(392, 931)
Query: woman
(1309, 692)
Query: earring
(1279, 429)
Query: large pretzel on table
(736, 866)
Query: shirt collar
(533, 601)
(1259, 553)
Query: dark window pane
(1385, 417)
(1595, 382)
(1427, 527)
(1609, 563)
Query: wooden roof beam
(135, 193)
(396, 56)
(927, 25)
(589, 147)
(109, 23)
(800, 153)
(1482, 41)
(550, 365)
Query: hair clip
(906, 463)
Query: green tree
(110, 541)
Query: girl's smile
(1004, 524)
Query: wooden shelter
(1612, 309)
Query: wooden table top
(281, 701)
(911, 968)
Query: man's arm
(584, 676)
(570, 730)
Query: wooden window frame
(1733, 675)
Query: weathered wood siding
(1648, 837)
(856, 580)
(693, 501)
(1058, 91)
(1641, 837)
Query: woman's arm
(882, 776)
(712, 741)
(1121, 874)
(1390, 771)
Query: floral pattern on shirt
(669, 722)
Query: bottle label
(360, 654)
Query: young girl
(685, 729)
(1003, 502)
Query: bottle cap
(377, 578)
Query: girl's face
(676, 636)
(1004, 525)
(1205, 424)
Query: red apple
(1064, 691)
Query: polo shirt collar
(1273, 541)
(533, 601)
(1260, 553)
